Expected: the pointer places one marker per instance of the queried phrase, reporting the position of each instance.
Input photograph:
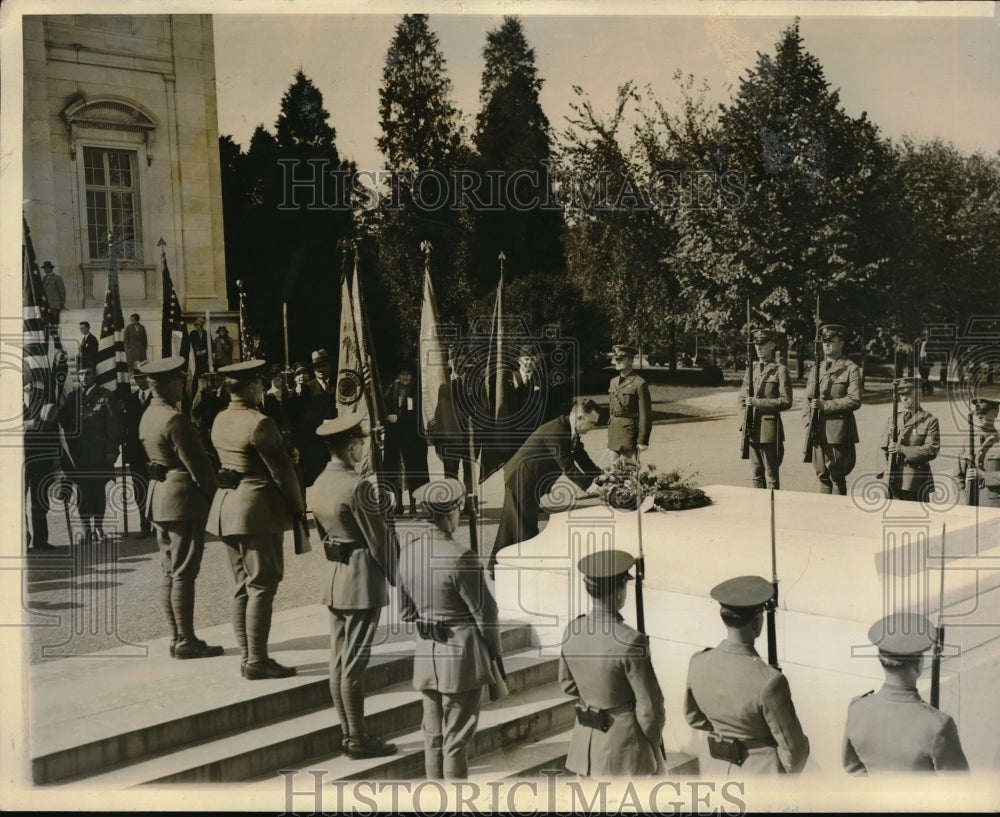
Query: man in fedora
(894, 729)
(979, 470)
(918, 439)
(182, 484)
(833, 455)
(606, 665)
(54, 289)
(772, 394)
(361, 553)
(317, 402)
(322, 383)
(744, 702)
(629, 405)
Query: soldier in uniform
(744, 702)
(980, 477)
(181, 486)
(259, 498)
(833, 454)
(362, 552)
(918, 442)
(772, 394)
(606, 665)
(443, 590)
(894, 730)
(135, 455)
(629, 405)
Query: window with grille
(112, 202)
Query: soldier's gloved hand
(750, 401)
(892, 447)
(640, 447)
(392, 417)
(816, 404)
(295, 455)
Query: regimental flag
(434, 372)
(497, 451)
(44, 359)
(174, 338)
(112, 365)
(350, 378)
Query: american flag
(112, 365)
(174, 339)
(44, 359)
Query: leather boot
(166, 603)
(239, 613)
(188, 644)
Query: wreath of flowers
(671, 490)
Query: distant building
(121, 136)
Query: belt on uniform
(157, 471)
(600, 718)
(228, 478)
(439, 630)
(340, 550)
(735, 750)
(624, 414)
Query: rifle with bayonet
(772, 605)
(892, 465)
(812, 431)
(748, 415)
(971, 473)
(938, 637)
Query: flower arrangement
(671, 490)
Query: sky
(924, 76)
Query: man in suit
(526, 397)
(918, 441)
(979, 472)
(86, 358)
(92, 424)
(605, 664)
(894, 730)
(181, 486)
(322, 384)
(449, 431)
(54, 289)
(316, 403)
(259, 498)
(198, 338)
(361, 553)
(833, 454)
(405, 446)
(135, 341)
(553, 450)
(443, 591)
(772, 394)
(743, 701)
(135, 454)
(629, 404)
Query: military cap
(47, 265)
(244, 370)
(902, 634)
(833, 330)
(904, 385)
(623, 349)
(743, 594)
(987, 396)
(137, 368)
(763, 335)
(440, 495)
(341, 425)
(320, 356)
(160, 369)
(606, 565)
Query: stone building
(121, 138)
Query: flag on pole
(174, 338)
(494, 455)
(433, 354)
(112, 365)
(350, 379)
(44, 359)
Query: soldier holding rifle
(744, 703)
(606, 664)
(911, 439)
(833, 393)
(979, 459)
(771, 394)
(894, 730)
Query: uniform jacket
(92, 424)
(987, 448)
(170, 439)
(772, 386)
(442, 581)
(631, 413)
(547, 453)
(87, 356)
(840, 391)
(55, 290)
(347, 510)
(731, 690)
(919, 441)
(132, 411)
(268, 494)
(605, 663)
(894, 730)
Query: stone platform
(842, 562)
